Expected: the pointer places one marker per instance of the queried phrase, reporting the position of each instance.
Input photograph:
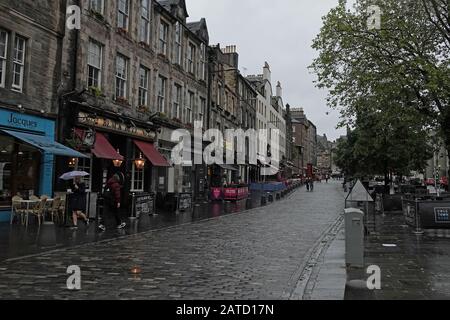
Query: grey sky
(281, 33)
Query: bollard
(277, 196)
(263, 200)
(354, 237)
(270, 197)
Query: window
(96, 5)
(203, 62)
(161, 93)
(191, 58)
(178, 38)
(121, 76)
(202, 109)
(3, 55)
(85, 164)
(189, 107)
(176, 101)
(122, 14)
(145, 21)
(18, 63)
(219, 94)
(163, 33)
(94, 64)
(143, 86)
(137, 176)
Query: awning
(45, 144)
(229, 167)
(104, 150)
(150, 152)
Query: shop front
(27, 155)
(115, 146)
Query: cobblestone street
(257, 254)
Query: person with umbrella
(78, 197)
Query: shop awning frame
(45, 144)
(104, 150)
(152, 154)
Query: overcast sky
(281, 33)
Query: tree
(402, 66)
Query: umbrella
(73, 174)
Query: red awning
(150, 152)
(104, 150)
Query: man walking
(112, 201)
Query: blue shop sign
(24, 122)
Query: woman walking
(78, 202)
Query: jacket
(114, 186)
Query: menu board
(184, 201)
(442, 215)
(143, 203)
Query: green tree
(400, 69)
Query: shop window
(187, 178)
(19, 170)
(137, 176)
(85, 164)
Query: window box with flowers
(176, 120)
(122, 101)
(163, 116)
(95, 91)
(143, 109)
(122, 31)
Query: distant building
(304, 141)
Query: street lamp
(117, 163)
(140, 163)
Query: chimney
(232, 57)
(267, 73)
(279, 90)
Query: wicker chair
(54, 210)
(16, 209)
(39, 210)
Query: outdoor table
(27, 203)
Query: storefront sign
(116, 126)
(10, 119)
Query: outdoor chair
(39, 210)
(16, 208)
(55, 209)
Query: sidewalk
(412, 267)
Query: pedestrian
(311, 185)
(307, 184)
(78, 202)
(112, 201)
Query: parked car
(430, 182)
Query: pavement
(412, 267)
(259, 254)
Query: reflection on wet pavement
(17, 241)
(415, 269)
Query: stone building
(138, 72)
(270, 116)
(31, 38)
(304, 141)
(324, 155)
